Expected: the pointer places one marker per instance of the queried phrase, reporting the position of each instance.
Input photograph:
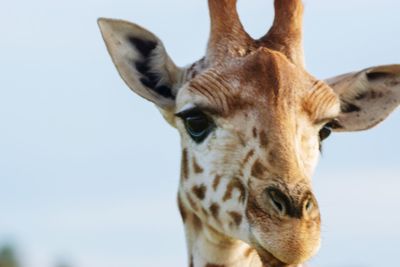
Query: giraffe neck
(209, 248)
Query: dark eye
(197, 124)
(325, 132)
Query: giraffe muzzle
(283, 204)
(285, 221)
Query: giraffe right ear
(142, 62)
(367, 97)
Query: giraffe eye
(325, 132)
(197, 124)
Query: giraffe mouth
(269, 260)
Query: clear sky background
(89, 171)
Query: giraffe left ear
(142, 62)
(367, 97)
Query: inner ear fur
(142, 61)
(367, 97)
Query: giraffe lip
(268, 258)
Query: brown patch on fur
(199, 191)
(248, 156)
(237, 217)
(258, 169)
(254, 132)
(216, 182)
(196, 167)
(182, 209)
(263, 139)
(185, 169)
(214, 209)
(235, 183)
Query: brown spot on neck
(214, 209)
(196, 167)
(216, 182)
(254, 132)
(185, 169)
(236, 216)
(199, 191)
(263, 139)
(235, 183)
(248, 156)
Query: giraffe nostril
(309, 205)
(278, 200)
(278, 205)
(296, 205)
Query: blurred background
(89, 171)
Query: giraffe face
(250, 136)
(251, 121)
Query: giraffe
(251, 121)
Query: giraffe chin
(268, 259)
(285, 255)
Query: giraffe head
(251, 121)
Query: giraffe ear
(367, 97)
(142, 61)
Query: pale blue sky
(89, 171)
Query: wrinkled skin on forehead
(266, 135)
(254, 99)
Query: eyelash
(198, 125)
(325, 132)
